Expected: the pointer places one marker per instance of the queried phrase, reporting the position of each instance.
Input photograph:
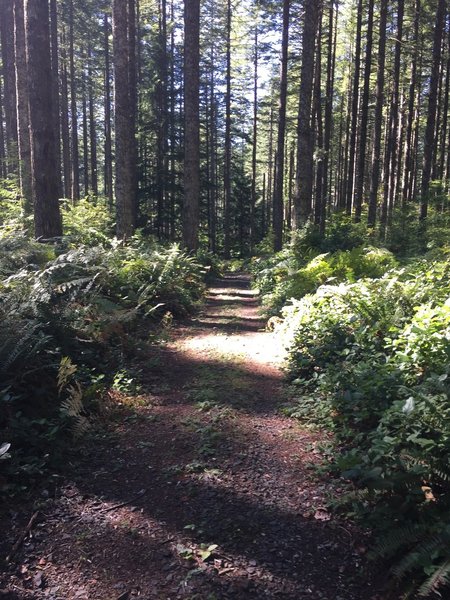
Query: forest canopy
(230, 121)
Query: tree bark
(47, 217)
(378, 121)
(408, 160)
(65, 131)
(278, 197)
(2, 135)
(191, 124)
(161, 108)
(318, 204)
(362, 150)
(124, 96)
(9, 83)
(23, 118)
(92, 129)
(254, 133)
(328, 125)
(227, 158)
(355, 106)
(392, 133)
(305, 145)
(431, 114)
(55, 90)
(85, 140)
(108, 173)
(75, 161)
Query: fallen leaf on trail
(322, 514)
(227, 570)
(38, 582)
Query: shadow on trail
(232, 301)
(231, 306)
(256, 524)
(234, 384)
(221, 476)
(228, 324)
(236, 280)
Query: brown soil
(203, 492)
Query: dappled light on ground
(238, 329)
(237, 348)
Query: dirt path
(204, 491)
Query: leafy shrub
(86, 305)
(17, 251)
(371, 360)
(341, 233)
(280, 281)
(11, 209)
(89, 221)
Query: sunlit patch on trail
(260, 348)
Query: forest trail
(204, 491)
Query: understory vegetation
(368, 338)
(73, 314)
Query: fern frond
(439, 578)
(22, 340)
(403, 536)
(72, 407)
(415, 557)
(66, 370)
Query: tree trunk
(212, 225)
(270, 168)
(173, 126)
(305, 145)
(75, 175)
(227, 158)
(55, 90)
(254, 135)
(444, 128)
(278, 199)
(392, 133)
(23, 118)
(65, 131)
(84, 93)
(2, 136)
(192, 124)
(108, 187)
(362, 150)
(47, 217)
(161, 110)
(328, 125)
(318, 207)
(92, 130)
(354, 121)
(378, 122)
(124, 94)
(432, 106)
(9, 82)
(408, 155)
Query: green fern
(420, 555)
(438, 579)
(398, 538)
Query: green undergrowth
(74, 315)
(368, 338)
(371, 361)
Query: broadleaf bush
(371, 359)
